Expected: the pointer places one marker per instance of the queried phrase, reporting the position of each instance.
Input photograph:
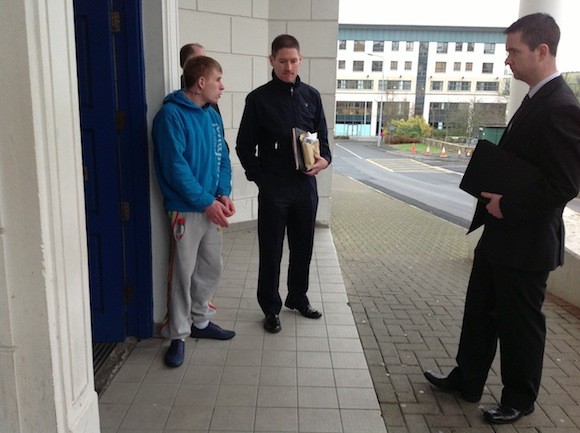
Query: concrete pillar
(161, 59)
(46, 379)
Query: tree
(573, 80)
(414, 127)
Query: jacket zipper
(293, 106)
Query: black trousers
(503, 304)
(285, 204)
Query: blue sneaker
(212, 331)
(175, 354)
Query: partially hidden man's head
(285, 58)
(190, 50)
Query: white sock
(201, 325)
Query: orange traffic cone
(413, 151)
(468, 153)
(428, 151)
(443, 153)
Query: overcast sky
(483, 13)
(490, 13)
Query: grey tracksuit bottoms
(195, 268)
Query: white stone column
(161, 59)
(45, 328)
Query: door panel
(97, 98)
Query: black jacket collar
(283, 85)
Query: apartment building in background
(454, 77)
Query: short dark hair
(187, 51)
(199, 66)
(284, 41)
(537, 29)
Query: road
(430, 183)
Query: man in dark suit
(523, 237)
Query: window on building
(399, 84)
(341, 64)
(378, 46)
(468, 66)
(359, 45)
(410, 46)
(408, 66)
(471, 46)
(353, 112)
(487, 68)
(446, 114)
(354, 84)
(394, 65)
(436, 85)
(487, 86)
(457, 66)
(364, 84)
(440, 66)
(442, 47)
(377, 66)
(342, 44)
(395, 46)
(489, 48)
(358, 66)
(456, 86)
(458, 46)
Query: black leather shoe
(505, 415)
(443, 383)
(308, 311)
(272, 323)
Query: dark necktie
(519, 111)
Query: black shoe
(505, 415)
(272, 323)
(212, 331)
(308, 311)
(445, 384)
(175, 354)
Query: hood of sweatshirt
(180, 98)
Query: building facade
(453, 77)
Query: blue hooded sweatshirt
(191, 157)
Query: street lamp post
(380, 128)
(379, 139)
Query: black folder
(496, 170)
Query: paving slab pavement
(406, 274)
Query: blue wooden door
(116, 166)
(97, 100)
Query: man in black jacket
(523, 238)
(288, 198)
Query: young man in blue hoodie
(194, 173)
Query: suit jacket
(546, 133)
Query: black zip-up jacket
(271, 111)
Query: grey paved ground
(406, 272)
